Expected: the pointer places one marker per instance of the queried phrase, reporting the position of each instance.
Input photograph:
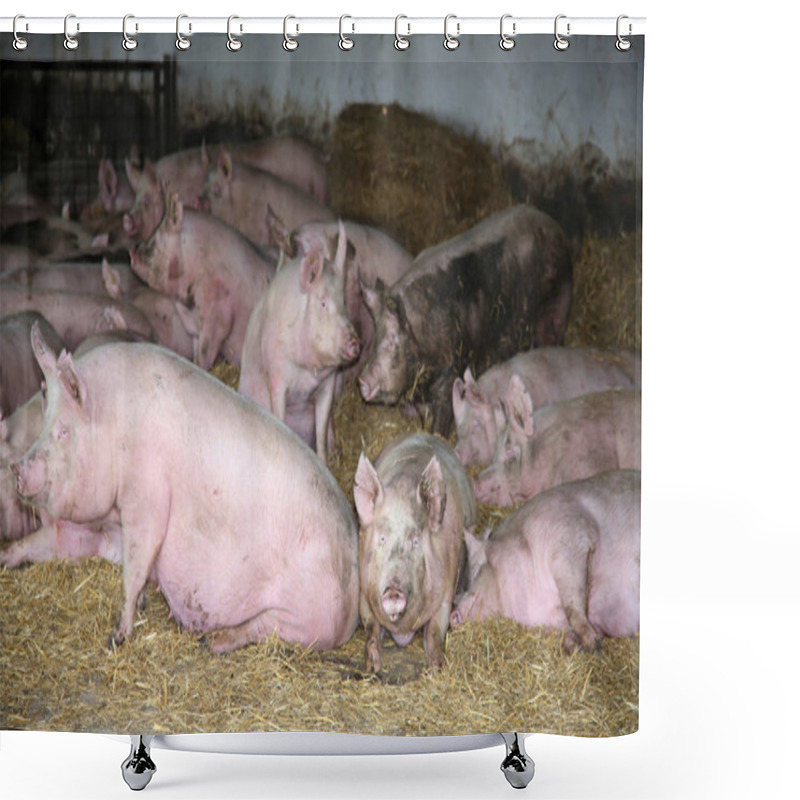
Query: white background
(721, 608)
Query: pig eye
(62, 433)
(382, 539)
(511, 453)
(415, 541)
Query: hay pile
(419, 180)
(58, 674)
(412, 176)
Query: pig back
(480, 296)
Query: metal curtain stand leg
(518, 766)
(138, 768)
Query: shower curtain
(522, 168)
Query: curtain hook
(344, 42)
(507, 42)
(289, 44)
(451, 42)
(128, 42)
(182, 43)
(401, 42)
(19, 43)
(233, 44)
(623, 44)
(70, 42)
(561, 43)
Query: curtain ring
(451, 42)
(70, 42)
(401, 42)
(507, 42)
(289, 44)
(233, 44)
(561, 43)
(344, 42)
(128, 42)
(622, 44)
(19, 43)
(182, 43)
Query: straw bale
(416, 178)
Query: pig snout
(30, 476)
(352, 347)
(368, 390)
(129, 225)
(393, 603)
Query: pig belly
(216, 583)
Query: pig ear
(432, 493)
(225, 163)
(310, 269)
(134, 174)
(279, 233)
(114, 319)
(367, 491)
(458, 396)
(71, 382)
(373, 297)
(107, 177)
(519, 405)
(476, 553)
(150, 171)
(44, 355)
(111, 280)
(341, 251)
(3, 428)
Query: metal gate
(59, 119)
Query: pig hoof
(138, 768)
(518, 766)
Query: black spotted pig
(568, 558)
(239, 194)
(560, 442)
(549, 375)
(413, 507)
(503, 286)
(243, 528)
(297, 338)
(216, 273)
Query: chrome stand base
(138, 768)
(518, 766)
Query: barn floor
(57, 672)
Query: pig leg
(571, 565)
(323, 418)
(374, 632)
(143, 530)
(435, 631)
(64, 540)
(260, 627)
(214, 330)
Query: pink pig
(560, 442)
(215, 272)
(413, 508)
(244, 530)
(549, 375)
(297, 337)
(239, 194)
(568, 558)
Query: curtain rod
(350, 25)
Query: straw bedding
(58, 672)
